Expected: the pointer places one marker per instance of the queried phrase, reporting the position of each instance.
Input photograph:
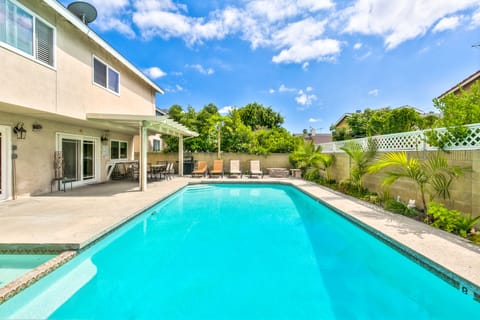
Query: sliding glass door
(80, 157)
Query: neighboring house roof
(73, 19)
(322, 138)
(161, 112)
(345, 115)
(317, 138)
(462, 84)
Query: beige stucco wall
(465, 191)
(68, 89)
(34, 165)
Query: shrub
(451, 220)
(400, 208)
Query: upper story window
(105, 76)
(26, 33)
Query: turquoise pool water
(240, 252)
(13, 266)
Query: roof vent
(83, 10)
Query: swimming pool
(13, 266)
(245, 252)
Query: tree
(306, 156)
(256, 116)
(327, 162)
(231, 131)
(432, 175)
(457, 111)
(401, 120)
(460, 109)
(236, 136)
(361, 160)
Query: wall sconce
(104, 138)
(37, 127)
(20, 131)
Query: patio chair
(169, 171)
(201, 169)
(217, 168)
(255, 169)
(235, 169)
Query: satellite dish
(85, 11)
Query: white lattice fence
(413, 140)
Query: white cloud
(283, 88)
(313, 120)
(276, 10)
(113, 15)
(155, 72)
(320, 50)
(399, 21)
(200, 69)
(475, 22)
(179, 87)
(271, 91)
(297, 31)
(225, 110)
(309, 88)
(305, 99)
(447, 24)
(373, 92)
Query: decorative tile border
(34, 275)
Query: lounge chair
(201, 169)
(235, 169)
(217, 168)
(255, 169)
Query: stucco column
(180, 156)
(142, 181)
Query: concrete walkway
(73, 219)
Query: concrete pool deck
(72, 220)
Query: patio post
(180, 155)
(142, 161)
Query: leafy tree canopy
(251, 129)
(460, 109)
(256, 116)
(380, 121)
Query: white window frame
(97, 161)
(118, 144)
(159, 141)
(34, 44)
(108, 68)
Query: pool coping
(313, 190)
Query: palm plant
(432, 175)
(306, 156)
(361, 160)
(326, 162)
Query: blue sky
(310, 60)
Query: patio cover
(144, 124)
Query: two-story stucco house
(64, 90)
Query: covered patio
(143, 126)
